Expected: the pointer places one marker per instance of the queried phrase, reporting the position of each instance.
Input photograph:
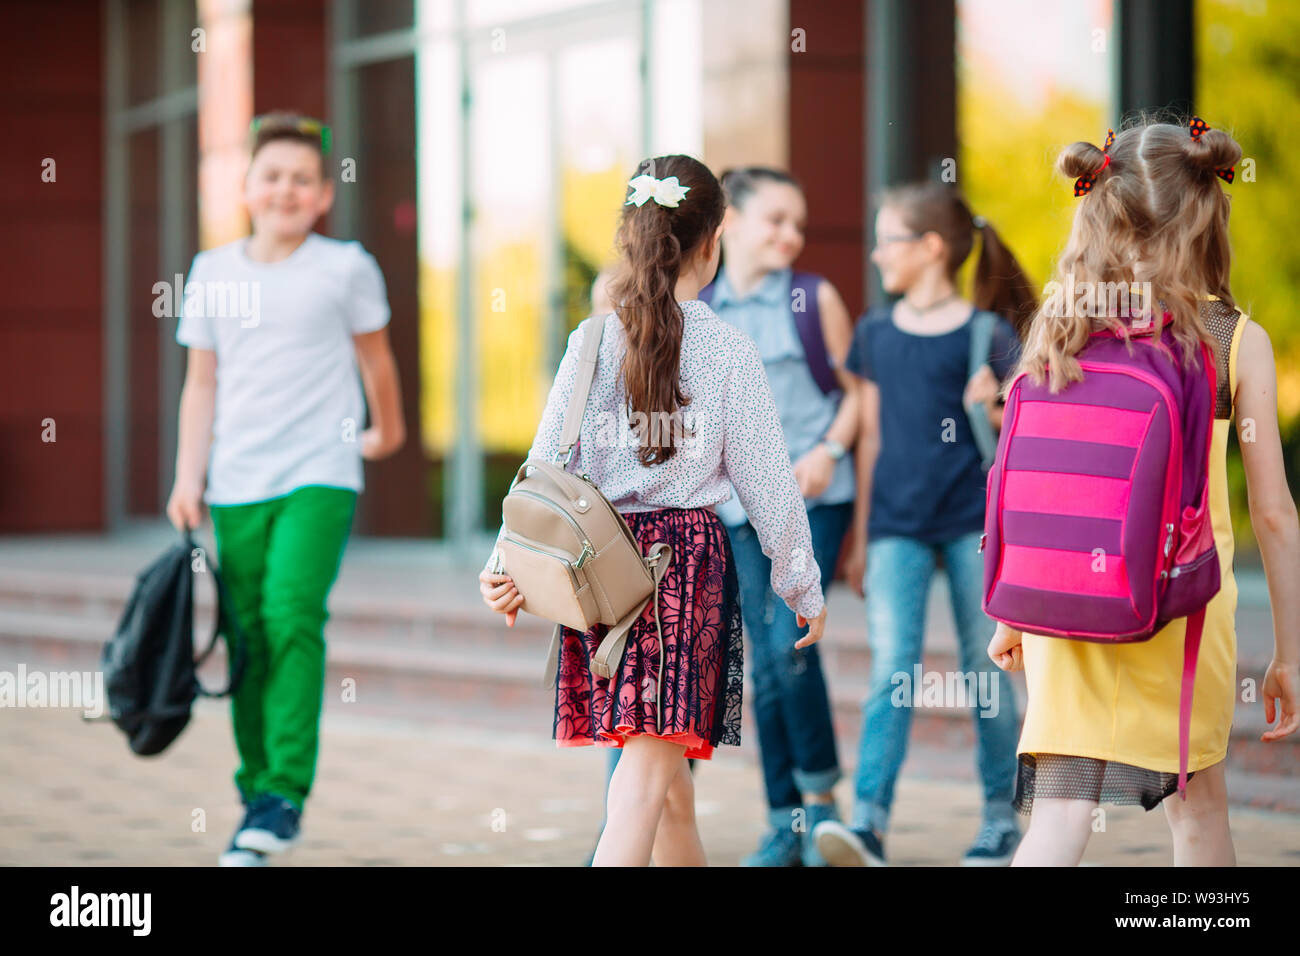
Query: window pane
(510, 185)
(438, 155)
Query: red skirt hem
(697, 748)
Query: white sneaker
(235, 856)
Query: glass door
(530, 122)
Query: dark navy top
(928, 483)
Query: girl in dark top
(921, 500)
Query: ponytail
(654, 241)
(1001, 285)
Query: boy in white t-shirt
(277, 326)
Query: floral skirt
(703, 672)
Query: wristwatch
(834, 449)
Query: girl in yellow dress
(1101, 723)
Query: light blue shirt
(806, 412)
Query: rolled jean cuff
(869, 816)
(781, 818)
(816, 781)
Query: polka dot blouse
(732, 438)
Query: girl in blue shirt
(757, 290)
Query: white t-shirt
(289, 406)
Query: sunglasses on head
(305, 125)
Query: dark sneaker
(842, 846)
(779, 847)
(272, 826)
(994, 845)
(816, 814)
(234, 855)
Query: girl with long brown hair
(679, 412)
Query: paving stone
(393, 792)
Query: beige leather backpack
(570, 553)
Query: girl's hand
(816, 628)
(1005, 649)
(1281, 699)
(185, 506)
(983, 387)
(814, 471)
(500, 594)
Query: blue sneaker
(994, 845)
(272, 825)
(235, 855)
(842, 846)
(780, 846)
(815, 815)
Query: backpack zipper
(587, 550)
(1189, 568)
(562, 558)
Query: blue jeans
(796, 738)
(898, 586)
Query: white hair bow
(666, 192)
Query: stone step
(469, 670)
(405, 616)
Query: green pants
(279, 559)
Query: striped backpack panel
(1097, 525)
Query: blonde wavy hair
(1156, 214)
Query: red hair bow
(1083, 185)
(1196, 126)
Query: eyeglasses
(890, 240)
(303, 124)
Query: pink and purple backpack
(1097, 525)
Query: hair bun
(1213, 149)
(1079, 159)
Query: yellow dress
(1119, 703)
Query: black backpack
(149, 666)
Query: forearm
(1278, 534)
(844, 427)
(194, 433)
(384, 400)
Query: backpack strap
(610, 653)
(237, 647)
(808, 324)
(581, 388)
(1191, 650)
(981, 342)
